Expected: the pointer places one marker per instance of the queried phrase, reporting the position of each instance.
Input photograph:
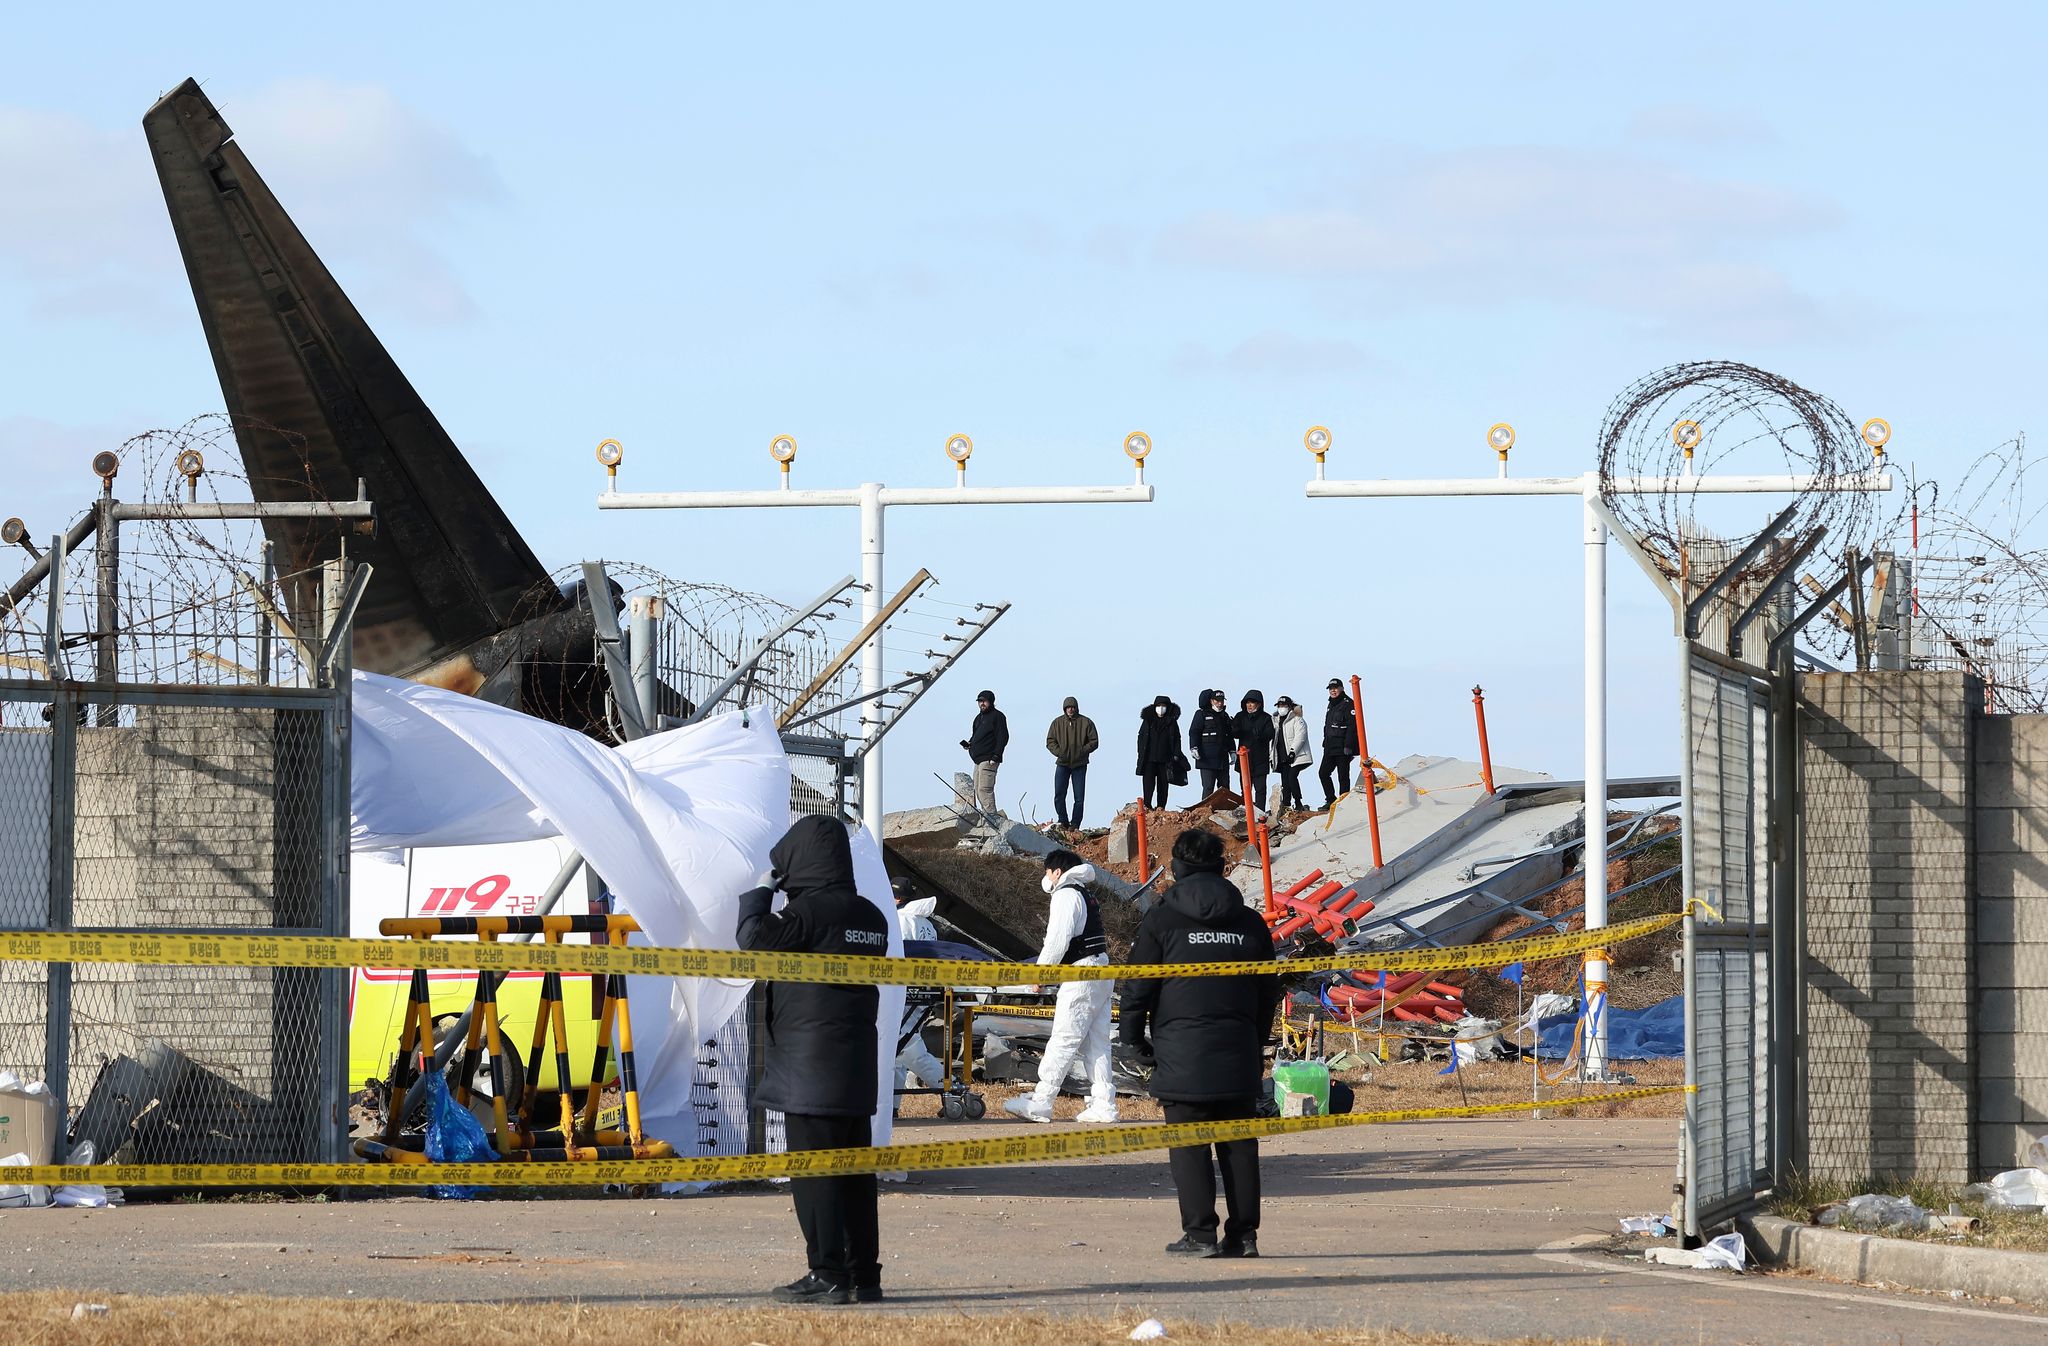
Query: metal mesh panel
(1729, 1148)
(191, 809)
(1728, 782)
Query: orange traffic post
(1485, 752)
(1144, 855)
(1372, 800)
(1255, 826)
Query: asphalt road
(1461, 1226)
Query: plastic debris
(1149, 1330)
(85, 1195)
(2037, 1153)
(79, 1311)
(1725, 1253)
(2022, 1189)
(454, 1135)
(1656, 1226)
(20, 1194)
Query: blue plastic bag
(454, 1136)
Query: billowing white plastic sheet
(679, 824)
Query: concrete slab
(1444, 1227)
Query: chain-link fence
(173, 759)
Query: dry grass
(2013, 1231)
(45, 1319)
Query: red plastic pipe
(1144, 855)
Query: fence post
(1485, 751)
(1372, 802)
(335, 772)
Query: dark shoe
(812, 1289)
(1187, 1245)
(1247, 1246)
(867, 1294)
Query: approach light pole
(1596, 522)
(873, 499)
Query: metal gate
(1729, 989)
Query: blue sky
(694, 230)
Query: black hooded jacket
(821, 1039)
(989, 737)
(1158, 737)
(1340, 731)
(1254, 729)
(1209, 737)
(1208, 1033)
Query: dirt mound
(1162, 827)
(1005, 889)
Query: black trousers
(1194, 1176)
(1341, 764)
(1259, 790)
(1214, 779)
(842, 1231)
(1290, 787)
(1156, 779)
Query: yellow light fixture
(960, 448)
(782, 449)
(1877, 432)
(1502, 436)
(1136, 445)
(611, 453)
(1317, 440)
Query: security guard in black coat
(821, 1070)
(1208, 1039)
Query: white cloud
(1490, 227)
(365, 177)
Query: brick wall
(2012, 937)
(1886, 800)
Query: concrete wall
(2012, 937)
(1887, 793)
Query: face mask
(1159, 710)
(1048, 881)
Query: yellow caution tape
(335, 951)
(1034, 1145)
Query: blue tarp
(1632, 1035)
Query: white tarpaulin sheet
(679, 824)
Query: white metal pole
(871, 663)
(1595, 865)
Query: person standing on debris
(1253, 729)
(1072, 741)
(1291, 751)
(1158, 750)
(1211, 743)
(914, 922)
(821, 1070)
(1208, 1039)
(985, 744)
(1340, 744)
(1081, 1019)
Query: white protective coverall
(914, 921)
(1081, 1023)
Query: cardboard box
(28, 1122)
